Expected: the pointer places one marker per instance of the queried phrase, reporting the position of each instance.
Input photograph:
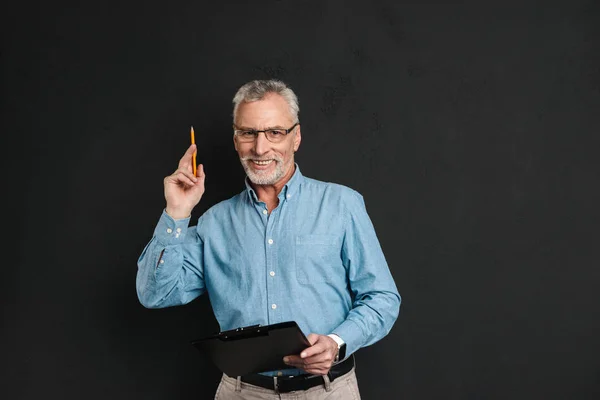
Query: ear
(297, 138)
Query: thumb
(200, 172)
(201, 176)
(312, 338)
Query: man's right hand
(183, 190)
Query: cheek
(286, 155)
(289, 152)
(242, 150)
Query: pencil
(193, 155)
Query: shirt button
(265, 212)
(272, 273)
(162, 261)
(273, 306)
(270, 241)
(169, 230)
(288, 196)
(178, 230)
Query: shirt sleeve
(376, 301)
(170, 270)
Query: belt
(283, 384)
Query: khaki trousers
(343, 388)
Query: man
(287, 248)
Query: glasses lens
(275, 135)
(246, 136)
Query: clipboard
(253, 349)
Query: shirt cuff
(171, 231)
(352, 334)
(337, 339)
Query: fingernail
(286, 360)
(302, 355)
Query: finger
(318, 358)
(293, 359)
(318, 348)
(296, 364)
(186, 178)
(186, 160)
(302, 364)
(318, 369)
(307, 362)
(313, 339)
(188, 174)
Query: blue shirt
(315, 259)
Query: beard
(264, 177)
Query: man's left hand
(316, 359)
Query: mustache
(250, 158)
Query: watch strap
(340, 342)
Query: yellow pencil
(194, 155)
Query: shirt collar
(289, 189)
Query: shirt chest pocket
(318, 259)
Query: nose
(261, 144)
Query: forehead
(269, 112)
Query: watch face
(342, 352)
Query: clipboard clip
(243, 332)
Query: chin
(260, 179)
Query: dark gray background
(471, 129)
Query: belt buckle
(281, 386)
(278, 383)
(288, 384)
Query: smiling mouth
(261, 162)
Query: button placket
(271, 257)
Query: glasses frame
(255, 132)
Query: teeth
(262, 162)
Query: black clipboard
(253, 349)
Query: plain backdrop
(470, 128)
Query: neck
(269, 193)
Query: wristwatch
(341, 354)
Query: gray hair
(258, 89)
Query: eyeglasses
(275, 135)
